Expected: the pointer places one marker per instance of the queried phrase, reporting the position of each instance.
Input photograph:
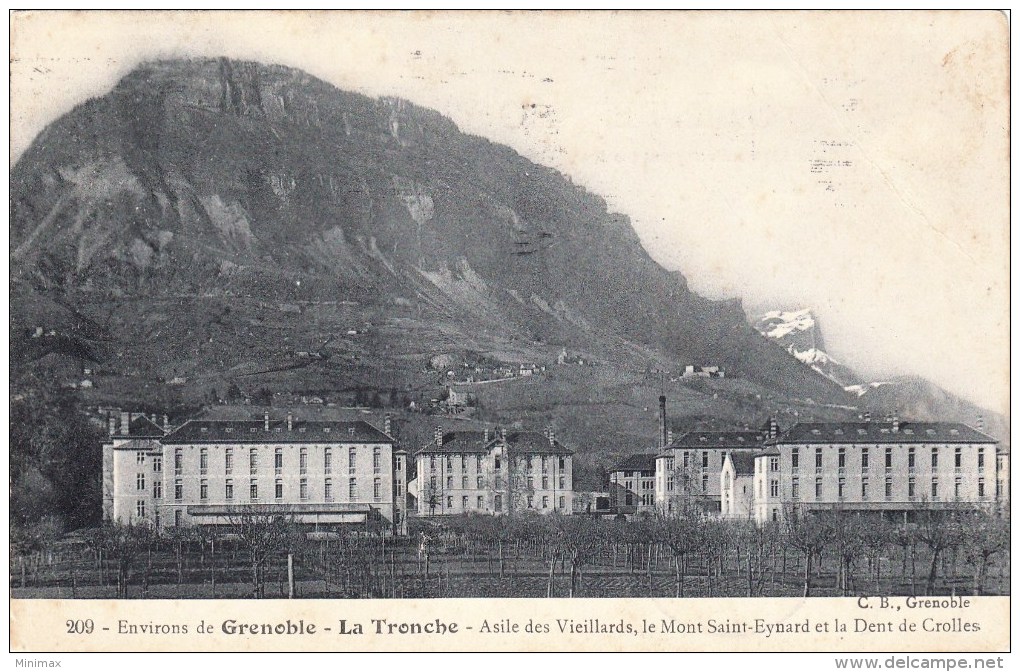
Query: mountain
(798, 332)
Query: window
(303, 488)
(934, 488)
(327, 461)
(563, 481)
(981, 459)
(253, 461)
(449, 503)
(934, 459)
(432, 462)
(203, 461)
(140, 481)
(481, 502)
(795, 488)
(278, 489)
(911, 488)
(818, 488)
(888, 459)
(203, 490)
(278, 461)
(140, 508)
(842, 460)
(864, 459)
(253, 490)
(352, 460)
(178, 462)
(687, 460)
(774, 488)
(377, 460)
(499, 481)
(449, 482)
(479, 481)
(704, 459)
(497, 503)
(478, 463)
(228, 461)
(178, 489)
(157, 489)
(178, 518)
(377, 489)
(352, 489)
(864, 487)
(497, 463)
(303, 461)
(563, 463)
(545, 466)
(958, 459)
(140, 458)
(888, 487)
(841, 487)
(463, 464)
(545, 501)
(328, 490)
(563, 503)
(704, 483)
(773, 464)
(464, 482)
(228, 492)
(795, 459)
(957, 487)
(818, 460)
(464, 503)
(981, 488)
(545, 482)
(531, 502)
(449, 463)
(911, 465)
(157, 463)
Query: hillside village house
(210, 472)
(892, 467)
(500, 472)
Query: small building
(632, 484)
(737, 486)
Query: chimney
(662, 421)
(867, 416)
(502, 433)
(166, 423)
(895, 421)
(112, 423)
(265, 421)
(439, 436)
(125, 421)
(773, 428)
(669, 437)
(552, 436)
(387, 426)
(980, 423)
(486, 435)
(290, 422)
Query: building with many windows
(632, 484)
(691, 466)
(894, 467)
(210, 472)
(498, 472)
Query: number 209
(80, 627)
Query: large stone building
(691, 466)
(212, 472)
(499, 472)
(632, 484)
(893, 467)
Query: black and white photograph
(384, 306)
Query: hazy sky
(853, 163)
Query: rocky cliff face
(238, 181)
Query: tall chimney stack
(439, 436)
(662, 421)
(486, 436)
(773, 428)
(125, 421)
(166, 423)
(265, 421)
(552, 436)
(290, 422)
(896, 421)
(387, 425)
(980, 423)
(669, 437)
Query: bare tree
(804, 533)
(986, 534)
(939, 530)
(262, 535)
(581, 538)
(682, 533)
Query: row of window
(278, 490)
(253, 460)
(497, 463)
(865, 459)
(686, 480)
(841, 488)
(498, 502)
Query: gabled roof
(254, 431)
(719, 440)
(140, 427)
(743, 463)
(882, 432)
(151, 445)
(534, 443)
(640, 462)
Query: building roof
(734, 440)
(141, 427)
(534, 443)
(882, 432)
(640, 462)
(151, 445)
(743, 463)
(254, 431)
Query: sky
(853, 163)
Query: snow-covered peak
(811, 356)
(778, 323)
